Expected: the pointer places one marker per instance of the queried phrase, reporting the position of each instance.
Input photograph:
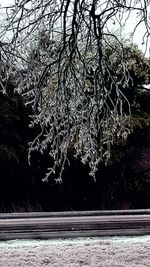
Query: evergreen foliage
(123, 183)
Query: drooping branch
(66, 73)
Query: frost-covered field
(102, 252)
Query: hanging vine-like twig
(66, 73)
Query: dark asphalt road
(101, 224)
(78, 220)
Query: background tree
(82, 111)
(14, 136)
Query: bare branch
(70, 80)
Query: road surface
(74, 224)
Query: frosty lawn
(102, 252)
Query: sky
(126, 31)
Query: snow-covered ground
(102, 252)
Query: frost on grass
(94, 252)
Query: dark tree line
(124, 183)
